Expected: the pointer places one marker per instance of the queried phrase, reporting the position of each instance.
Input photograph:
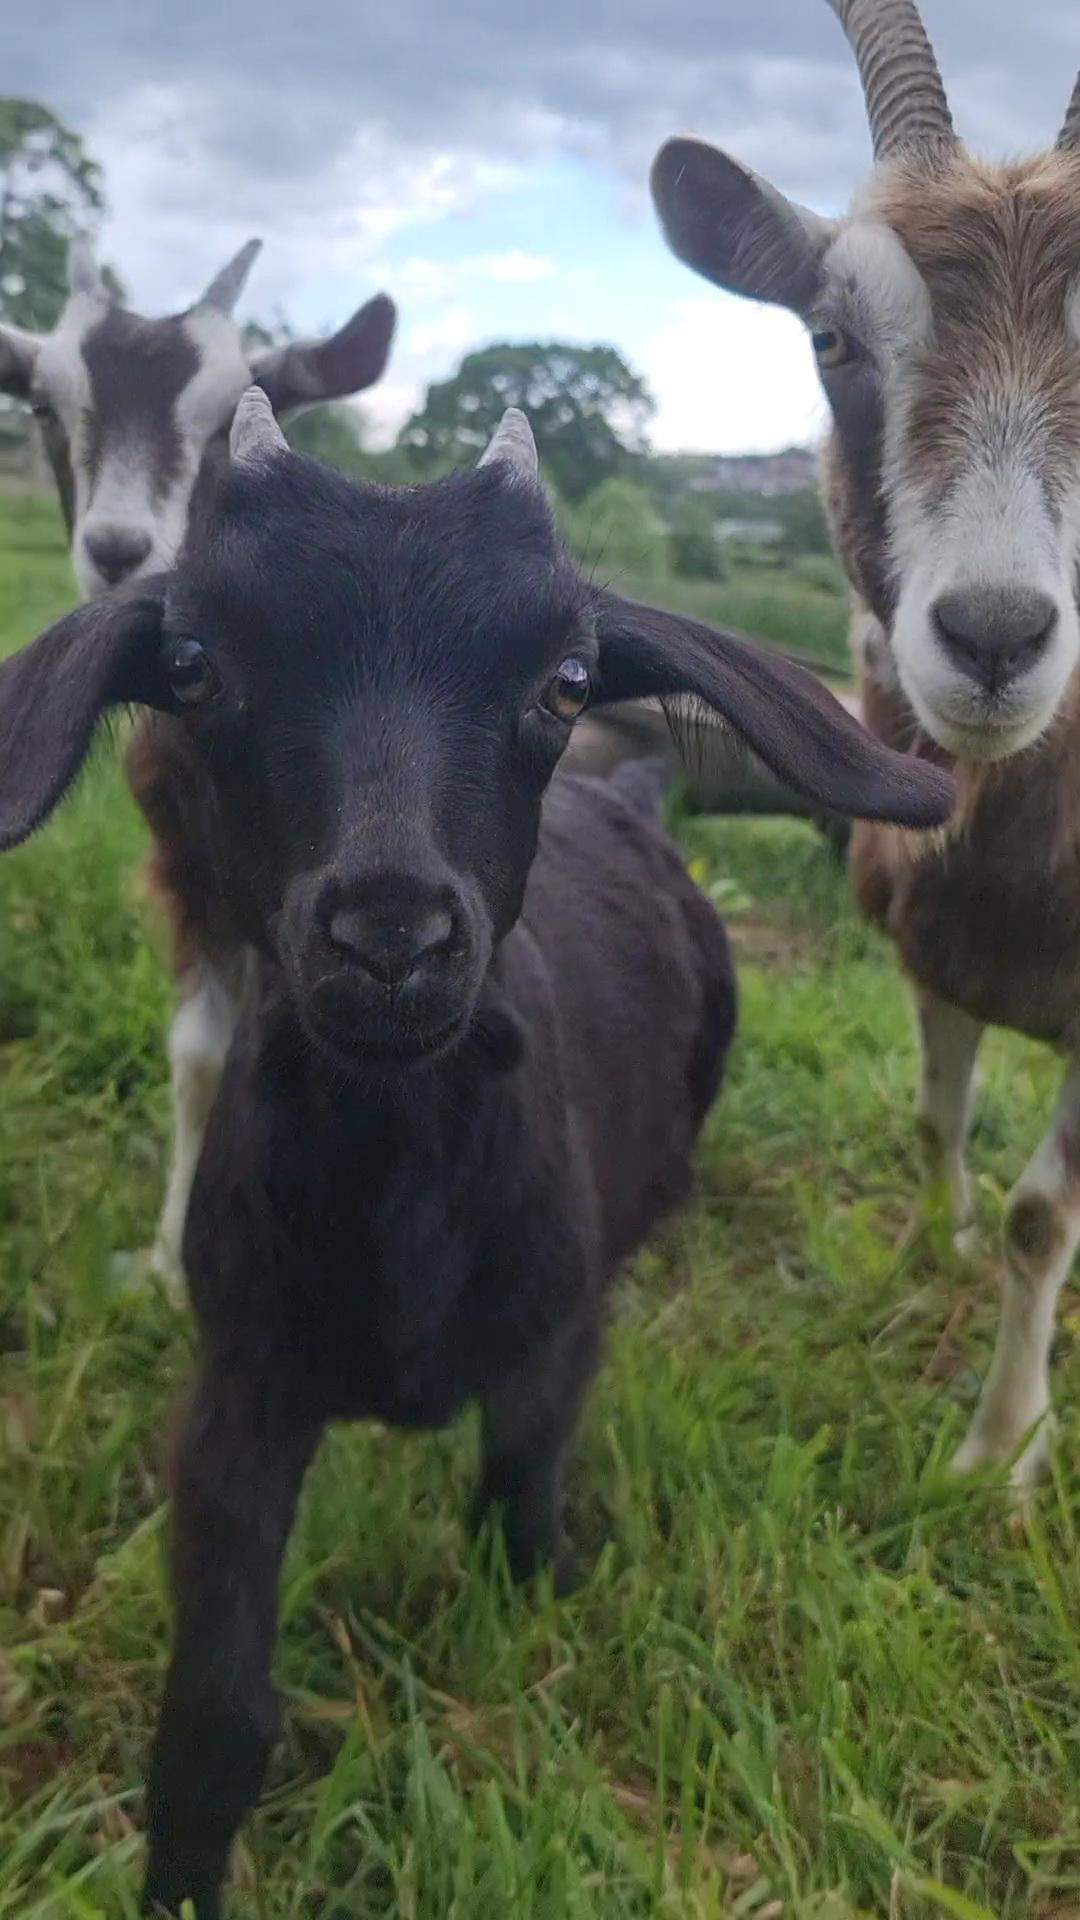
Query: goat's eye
(832, 347)
(567, 693)
(190, 672)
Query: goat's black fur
(419, 1173)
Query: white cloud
(728, 376)
(425, 351)
(446, 336)
(422, 282)
(515, 268)
(169, 173)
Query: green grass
(771, 603)
(805, 1674)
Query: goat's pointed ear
(307, 371)
(18, 352)
(735, 229)
(55, 691)
(789, 719)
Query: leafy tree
(335, 434)
(694, 544)
(332, 434)
(806, 530)
(616, 532)
(49, 190)
(588, 410)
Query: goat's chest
(405, 1258)
(990, 921)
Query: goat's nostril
(116, 551)
(994, 634)
(390, 947)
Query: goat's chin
(982, 745)
(978, 731)
(359, 1049)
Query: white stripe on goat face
(133, 410)
(959, 405)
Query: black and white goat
(480, 1031)
(135, 415)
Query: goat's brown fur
(998, 247)
(171, 789)
(988, 918)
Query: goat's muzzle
(385, 967)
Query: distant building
(766, 474)
(756, 533)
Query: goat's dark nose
(994, 634)
(391, 945)
(116, 552)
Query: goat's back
(644, 994)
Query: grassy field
(806, 1675)
(772, 603)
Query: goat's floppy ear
(789, 719)
(735, 229)
(55, 691)
(307, 371)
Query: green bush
(693, 543)
(614, 529)
(806, 529)
(819, 570)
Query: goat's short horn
(905, 99)
(84, 274)
(513, 443)
(1069, 136)
(255, 434)
(226, 287)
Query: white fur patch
(201, 1035)
(1015, 1404)
(877, 291)
(126, 494)
(993, 529)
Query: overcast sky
(485, 161)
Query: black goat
(479, 1035)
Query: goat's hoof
(966, 1245)
(987, 1446)
(160, 1903)
(136, 1271)
(563, 1569)
(567, 1572)
(163, 1265)
(917, 1306)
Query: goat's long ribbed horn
(905, 98)
(1070, 132)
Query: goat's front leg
(199, 1041)
(950, 1045)
(238, 1470)
(528, 1423)
(1042, 1231)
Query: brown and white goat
(135, 416)
(945, 316)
